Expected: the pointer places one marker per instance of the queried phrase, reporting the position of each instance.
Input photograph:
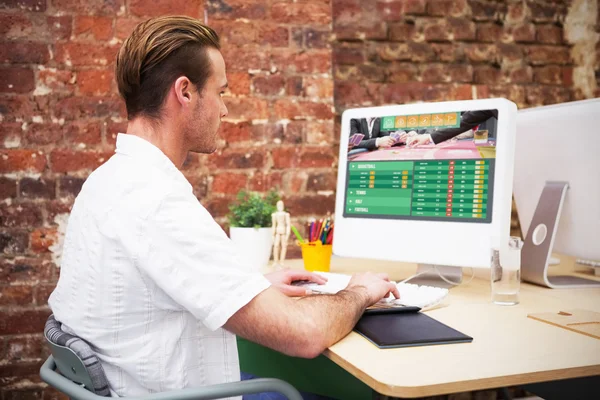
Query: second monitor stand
(429, 275)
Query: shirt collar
(136, 147)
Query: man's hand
(282, 280)
(419, 140)
(375, 286)
(385, 141)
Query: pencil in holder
(316, 256)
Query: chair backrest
(75, 359)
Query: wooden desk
(508, 348)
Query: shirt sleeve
(187, 254)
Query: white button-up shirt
(148, 277)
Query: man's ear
(183, 90)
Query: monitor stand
(431, 276)
(537, 249)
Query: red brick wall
(59, 111)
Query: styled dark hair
(157, 52)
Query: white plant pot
(254, 246)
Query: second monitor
(427, 183)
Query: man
(374, 137)
(148, 278)
(468, 120)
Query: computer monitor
(440, 204)
(559, 143)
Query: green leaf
(250, 209)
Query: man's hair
(157, 52)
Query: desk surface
(508, 348)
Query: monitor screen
(429, 166)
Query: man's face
(209, 108)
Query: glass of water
(506, 273)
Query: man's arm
(469, 120)
(307, 326)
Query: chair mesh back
(57, 336)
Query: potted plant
(250, 226)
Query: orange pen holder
(316, 256)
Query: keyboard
(410, 294)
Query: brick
(93, 27)
(285, 157)
(402, 72)
(402, 32)
(320, 132)
(295, 181)
(437, 30)
(311, 62)
(261, 181)
(317, 157)
(218, 207)
(348, 56)
(59, 28)
(15, 107)
(22, 160)
(289, 109)
(316, 38)
(293, 132)
(545, 95)
(240, 33)
(44, 133)
(414, 6)
(482, 10)
(521, 75)
(549, 75)
(235, 9)
(52, 79)
(268, 132)
(297, 37)
(516, 12)
(238, 158)
(166, 7)
(395, 52)
(510, 53)
(228, 183)
(481, 52)
(124, 26)
(310, 205)
(42, 293)
(462, 29)
(515, 93)
(421, 52)
(293, 86)
(487, 74)
(549, 34)
(350, 93)
(8, 188)
(70, 161)
(274, 35)
(95, 82)
(540, 55)
(245, 59)
(69, 186)
(270, 85)
(434, 73)
(24, 321)
(489, 32)
(90, 7)
(20, 215)
(82, 54)
(364, 29)
(57, 209)
(41, 240)
(523, 33)
(16, 80)
(23, 348)
(19, 295)
(235, 132)
(448, 8)
(75, 108)
(25, 270)
(318, 88)
(14, 26)
(25, 5)
(247, 108)
(82, 133)
(31, 188)
(460, 72)
(11, 134)
(306, 13)
(541, 12)
(445, 52)
(13, 243)
(321, 181)
(24, 53)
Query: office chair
(82, 377)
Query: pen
(297, 234)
